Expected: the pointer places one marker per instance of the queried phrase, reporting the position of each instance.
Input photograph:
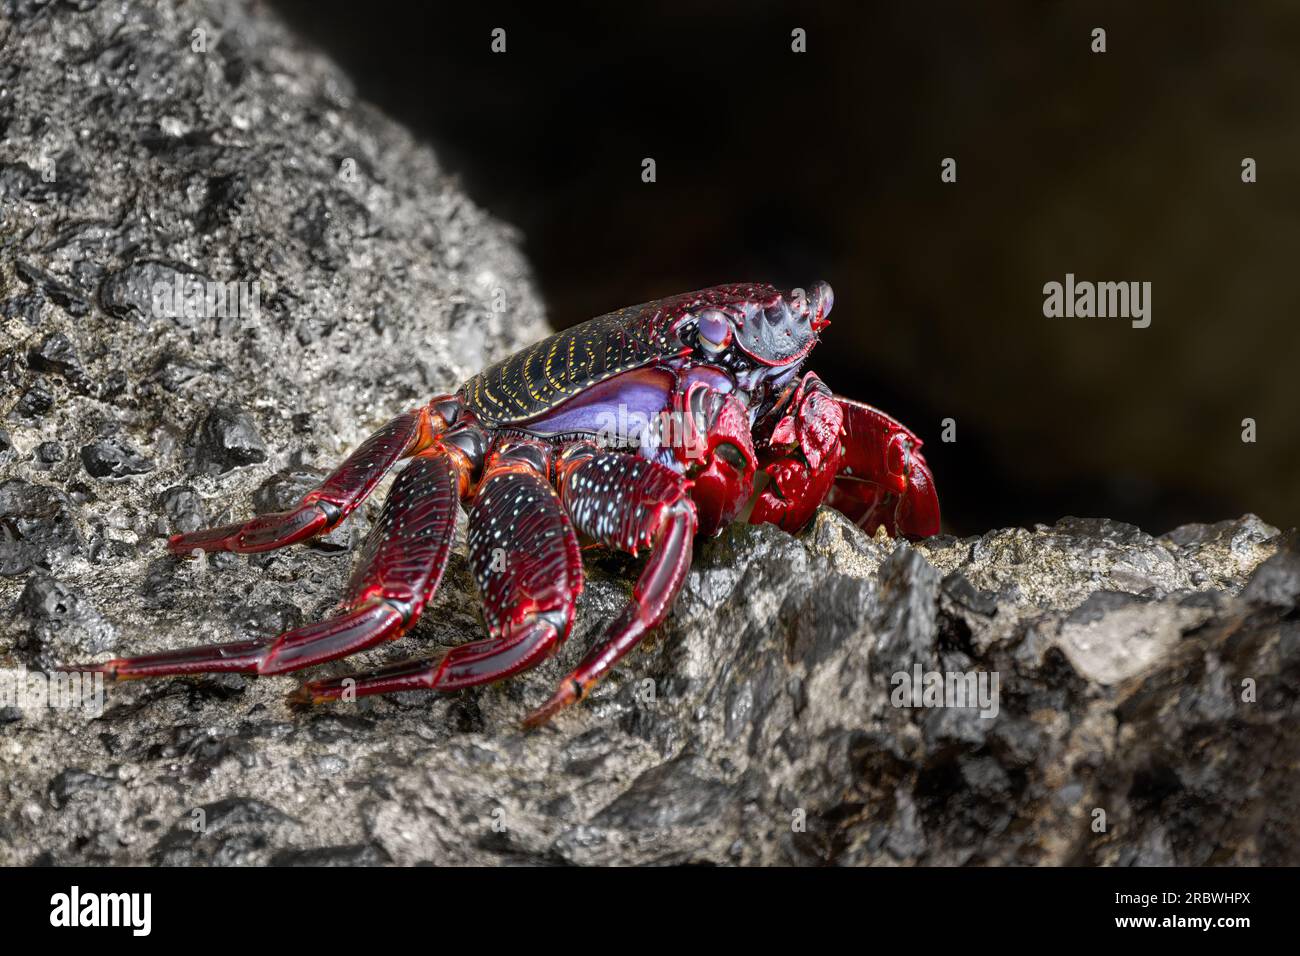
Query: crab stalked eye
(715, 330)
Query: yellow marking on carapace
(546, 369)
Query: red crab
(637, 429)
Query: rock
(50, 452)
(222, 832)
(821, 698)
(1277, 582)
(764, 725)
(129, 292)
(362, 854)
(72, 781)
(110, 458)
(183, 509)
(56, 354)
(203, 169)
(63, 626)
(328, 223)
(227, 195)
(226, 438)
(47, 288)
(37, 527)
(36, 401)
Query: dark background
(784, 167)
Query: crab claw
(884, 480)
(917, 515)
(802, 458)
(913, 513)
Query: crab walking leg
(524, 555)
(627, 503)
(401, 565)
(326, 506)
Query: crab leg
(525, 558)
(326, 506)
(626, 503)
(402, 562)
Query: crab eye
(715, 330)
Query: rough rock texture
(1152, 680)
(197, 147)
(759, 727)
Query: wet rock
(366, 854)
(18, 180)
(53, 290)
(63, 627)
(285, 488)
(25, 308)
(183, 509)
(226, 197)
(56, 354)
(226, 438)
(112, 458)
(234, 54)
(36, 401)
(1277, 582)
(228, 831)
(70, 782)
(192, 170)
(766, 723)
(152, 290)
(37, 527)
(328, 223)
(50, 452)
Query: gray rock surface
(199, 147)
(1147, 686)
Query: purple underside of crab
(637, 430)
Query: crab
(640, 429)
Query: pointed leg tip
(918, 511)
(303, 696)
(108, 668)
(313, 693)
(565, 697)
(539, 717)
